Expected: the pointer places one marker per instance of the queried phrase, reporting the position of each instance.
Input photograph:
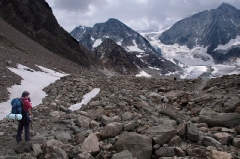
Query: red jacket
(26, 104)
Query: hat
(25, 93)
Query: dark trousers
(26, 126)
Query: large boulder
(91, 145)
(112, 130)
(162, 133)
(192, 132)
(212, 118)
(139, 145)
(172, 112)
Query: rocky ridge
(174, 119)
(129, 40)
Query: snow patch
(143, 74)
(86, 98)
(231, 43)
(134, 48)
(34, 82)
(97, 43)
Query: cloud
(137, 14)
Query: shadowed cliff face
(36, 20)
(207, 28)
(115, 58)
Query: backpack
(16, 106)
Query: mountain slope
(36, 20)
(116, 59)
(208, 28)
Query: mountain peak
(113, 20)
(225, 6)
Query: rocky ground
(132, 118)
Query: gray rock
(182, 129)
(123, 155)
(172, 112)
(85, 156)
(139, 145)
(236, 142)
(62, 136)
(37, 150)
(112, 130)
(162, 133)
(91, 145)
(208, 141)
(106, 120)
(165, 152)
(175, 140)
(219, 119)
(231, 104)
(55, 152)
(83, 121)
(179, 152)
(222, 137)
(130, 126)
(22, 147)
(74, 152)
(192, 132)
(127, 116)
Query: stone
(83, 121)
(74, 152)
(106, 120)
(62, 136)
(179, 152)
(141, 104)
(219, 119)
(53, 142)
(172, 112)
(127, 116)
(91, 145)
(112, 130)
(197, 151)
(236, 142)
(231, 104)
(37, 150)
(222, 137)
(237, 130)
(214, 154)
(161, 134)
(182, 129)
(192, 132)
(94, 124)
(208, 141)
(22, 147)
(80, 138)
(139, 145)
(165, 152)
(55, 152)
(175, 140)
(130, 126)
(85, 156)
(123, 155)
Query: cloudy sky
(137, 14)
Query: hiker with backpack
(26, 117)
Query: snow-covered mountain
(128, 39)
(216, 30)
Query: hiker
(25, 122)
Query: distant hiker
(175, 78)
(26, 119)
